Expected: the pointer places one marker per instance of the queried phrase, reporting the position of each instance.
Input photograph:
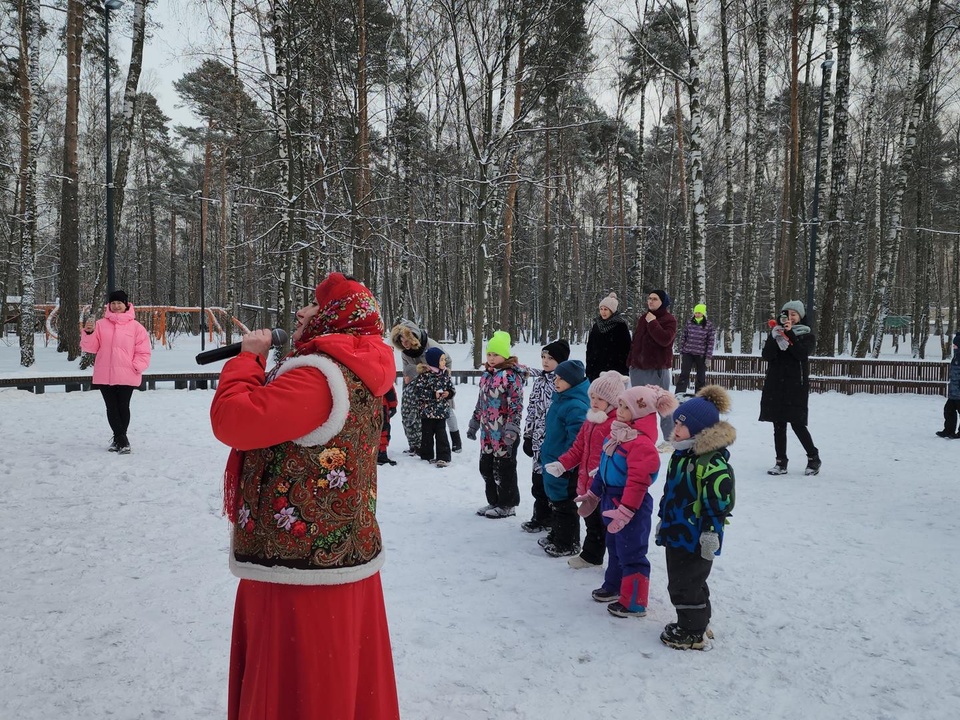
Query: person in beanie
(609, 341)
(951, 408)
(568, 409)
(300, 489)
(698, 497)
(533, 429)
(413, 343)
(651, 353)
(786, 386)
(389, 410)
(696, 349)
(122, 347)
(433, 388)
(585, 456)
(629, 465)
(497, 418)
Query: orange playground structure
(162, 321)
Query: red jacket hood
(367, 356)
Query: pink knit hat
(610, 302)
(608, 386)
(645, 399)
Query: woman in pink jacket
(122, 347)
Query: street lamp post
(111, 244)
(815, 221)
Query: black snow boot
(813, 465)
(455, 443)
(382, 459)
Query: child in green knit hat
(497, 418)
(696, 350)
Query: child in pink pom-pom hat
(629, 465)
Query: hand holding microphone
(256, 341)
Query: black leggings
(803, 435)
(117, 400)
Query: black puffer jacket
(786, 387)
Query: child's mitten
(472, 429)
(555, 468)
(709, 544)
(619, 517)
(528, 446)
(588, 503)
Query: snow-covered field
(834, 598)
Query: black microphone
(277, 339)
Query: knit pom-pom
(666, 403)
(716, 395)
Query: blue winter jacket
(953, 386)
(568, 410)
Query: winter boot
(676, 637)
(947, 434)
(578, 563)
(554, 550)
(533, 526)
(602, 595)
(455, 443)
(813, 465)
(547, 540)
(114, 446)
(483, 511)
(779, 469)
(618, 610)
(382, 459)
(497, 513)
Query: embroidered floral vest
(307, 514)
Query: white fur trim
(338, 394)
(294, 576)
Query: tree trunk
(698, 222)
(129, 107)
(726, 320)
(748, 313)
(29, 83)
(68, 339)
(875, 320)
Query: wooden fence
(735, 372)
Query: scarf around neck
(605, 326)
(620, 433)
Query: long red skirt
(311, 652)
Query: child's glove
(528, 446)
(510, 437)
(555, 468)
(472, 429)
(656, 534)
(619, 517)
(588, 503)
(709, 544)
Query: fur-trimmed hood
(715, 437)
(415, 336)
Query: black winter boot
(382, 459)
(455, 443)
(813, 465)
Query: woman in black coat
(609, 341)
(786, 386)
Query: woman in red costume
(310, 635)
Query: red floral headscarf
(345, 306)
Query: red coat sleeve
(246, 414)
(643, 461)
(575, 455)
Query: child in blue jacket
(568, 410)
(697, 499)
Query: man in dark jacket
(651, 353)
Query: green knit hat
(500, 344)
(701, 308)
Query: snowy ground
(834, 598)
